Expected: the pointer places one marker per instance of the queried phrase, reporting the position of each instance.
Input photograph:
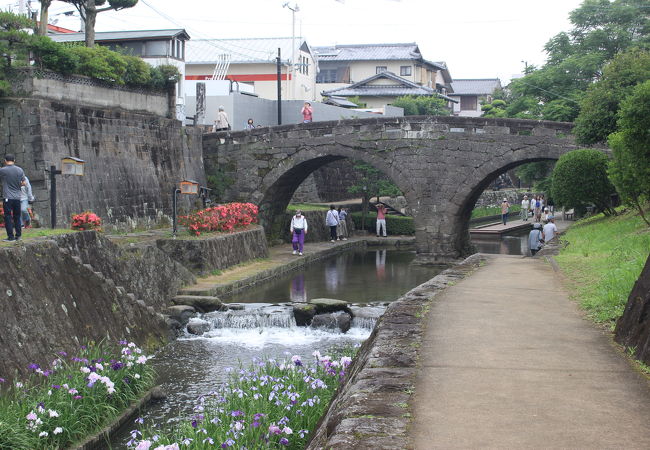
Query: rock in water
(304, 313)
(332, 321)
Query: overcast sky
(476, 38)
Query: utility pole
(294, 10)
(278, 62)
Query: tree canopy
(88, 9)
(601, 29)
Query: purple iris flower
(56, 386)
(284, 441)
(237, 413)
(117, 365)
(33, 367)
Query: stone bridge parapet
(441, 164)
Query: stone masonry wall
(142, 269)
(219, 252)
(133, 161)
(51, 302)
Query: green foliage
(164, 76)
(356, 100)
(54, 56)
(137, 72)
(396, 225)
(629, 169)
(373, 182)
(100, 63)
(533, 172)
(580, 179)
(422, 105)
(14, 41)
(219, 182)
(601, 29)
(495, 109)
(600, 105)
(604, 258)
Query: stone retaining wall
(219, 252)
(50, 301)
(372, 408)
(143, 270)
(133, 160)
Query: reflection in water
(380, 262)
(360, 276)
(298, 293)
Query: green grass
(603, 259)
(306, 207)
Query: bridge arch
(441, 164)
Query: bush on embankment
(603, 259)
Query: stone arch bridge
(441, 164)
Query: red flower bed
(86, 221)
(227, 217)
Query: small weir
(260, 323)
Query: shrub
(164, 76)
(86, 221)
(100, 63)
(54, 56)
(227, 217)
(394, 224)
(137, 72)
(580, 179)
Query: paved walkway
(509, 362)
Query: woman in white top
(298, 230)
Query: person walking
(298, 229)
(525, 203)
(381, 218)
(307, 113)
(535, 239)
(538, 210)
(549, 230)
(342, 229)
(12, 178)
(26, 197)
(332, 221)
(221, 123)
(505, 208)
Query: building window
(468, 103)
(326, 76)
(381, 69)
(405, 71)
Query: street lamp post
(69, 166)
(188, 187)
(294, 10)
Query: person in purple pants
(298, 231)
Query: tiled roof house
(469, 94)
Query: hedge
(402, 225)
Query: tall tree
(44, 17)
(601, 29)
(598, 113)
(629, 170)
(88, 9)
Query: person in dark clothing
(12, 178)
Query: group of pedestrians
(16, 198)
(335, 219)
(539, 235)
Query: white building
(253, 62)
